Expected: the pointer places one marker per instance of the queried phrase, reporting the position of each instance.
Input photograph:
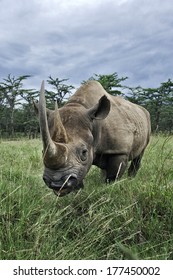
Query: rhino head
(69, 137)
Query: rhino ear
(101, 109)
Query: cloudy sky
(75, 39)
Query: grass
(129, 219)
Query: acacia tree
(110, 82)
(60, 93)
(158, 101)
(16, 108)
(27, 114)
(11, 89)
(164, 121)
(135, 95)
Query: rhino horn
(53, 153)
(60, 134)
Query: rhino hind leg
(116, 166)
(135, 165)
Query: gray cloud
(75, 39)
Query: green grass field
(128, 219)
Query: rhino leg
(134, 166)
(116, 165)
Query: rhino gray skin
(92, 128)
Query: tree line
(17, 116)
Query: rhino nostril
(73, 178)
(72, 181)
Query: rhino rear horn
(60, 134)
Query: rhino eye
(84, 154)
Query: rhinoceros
(92, 128)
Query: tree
(166, 108)
(61, 93)
(110, 82)
(158, 101)
(135, 95)
(17, 114)
(11, 90)
(27, 114)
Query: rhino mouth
(63, 190)
(65, 185)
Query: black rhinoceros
(92, 128)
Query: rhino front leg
(116, 165)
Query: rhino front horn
(54, 153)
